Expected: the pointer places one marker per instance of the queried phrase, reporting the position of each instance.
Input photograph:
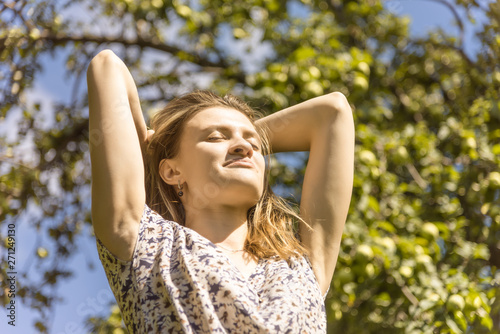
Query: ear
(168, 172)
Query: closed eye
(220, 137)
(215, 138)
(254, 143)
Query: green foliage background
(421, 247)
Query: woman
(203, 245)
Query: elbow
(337, 102)
(337, 108)
(103, 56)
(102, 59)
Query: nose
(242, 147)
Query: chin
(243, 186)
(246, 196)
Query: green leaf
(487, 321)
(304, 53)
(453, 326)
(481, 252)
(460, 320)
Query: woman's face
(220, 159)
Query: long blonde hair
(270, 222)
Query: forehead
(220, 117)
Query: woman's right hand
(149, 135)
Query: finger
(149, 134)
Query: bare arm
(325, 127)
(117, 130)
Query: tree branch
(416, 176)
(142, 43)
(454, 12)
(411, 297)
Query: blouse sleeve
(153, 229)
(127, 279)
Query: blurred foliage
(107, 325)
(421, 246)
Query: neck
(222, 225)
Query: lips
(240, 162)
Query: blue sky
(88, 292)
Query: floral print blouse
(180, 282)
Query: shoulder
(152, 223)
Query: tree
(420, 251)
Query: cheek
(262, 163)
(200, 161)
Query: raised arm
(324, 126)
(117, 129)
